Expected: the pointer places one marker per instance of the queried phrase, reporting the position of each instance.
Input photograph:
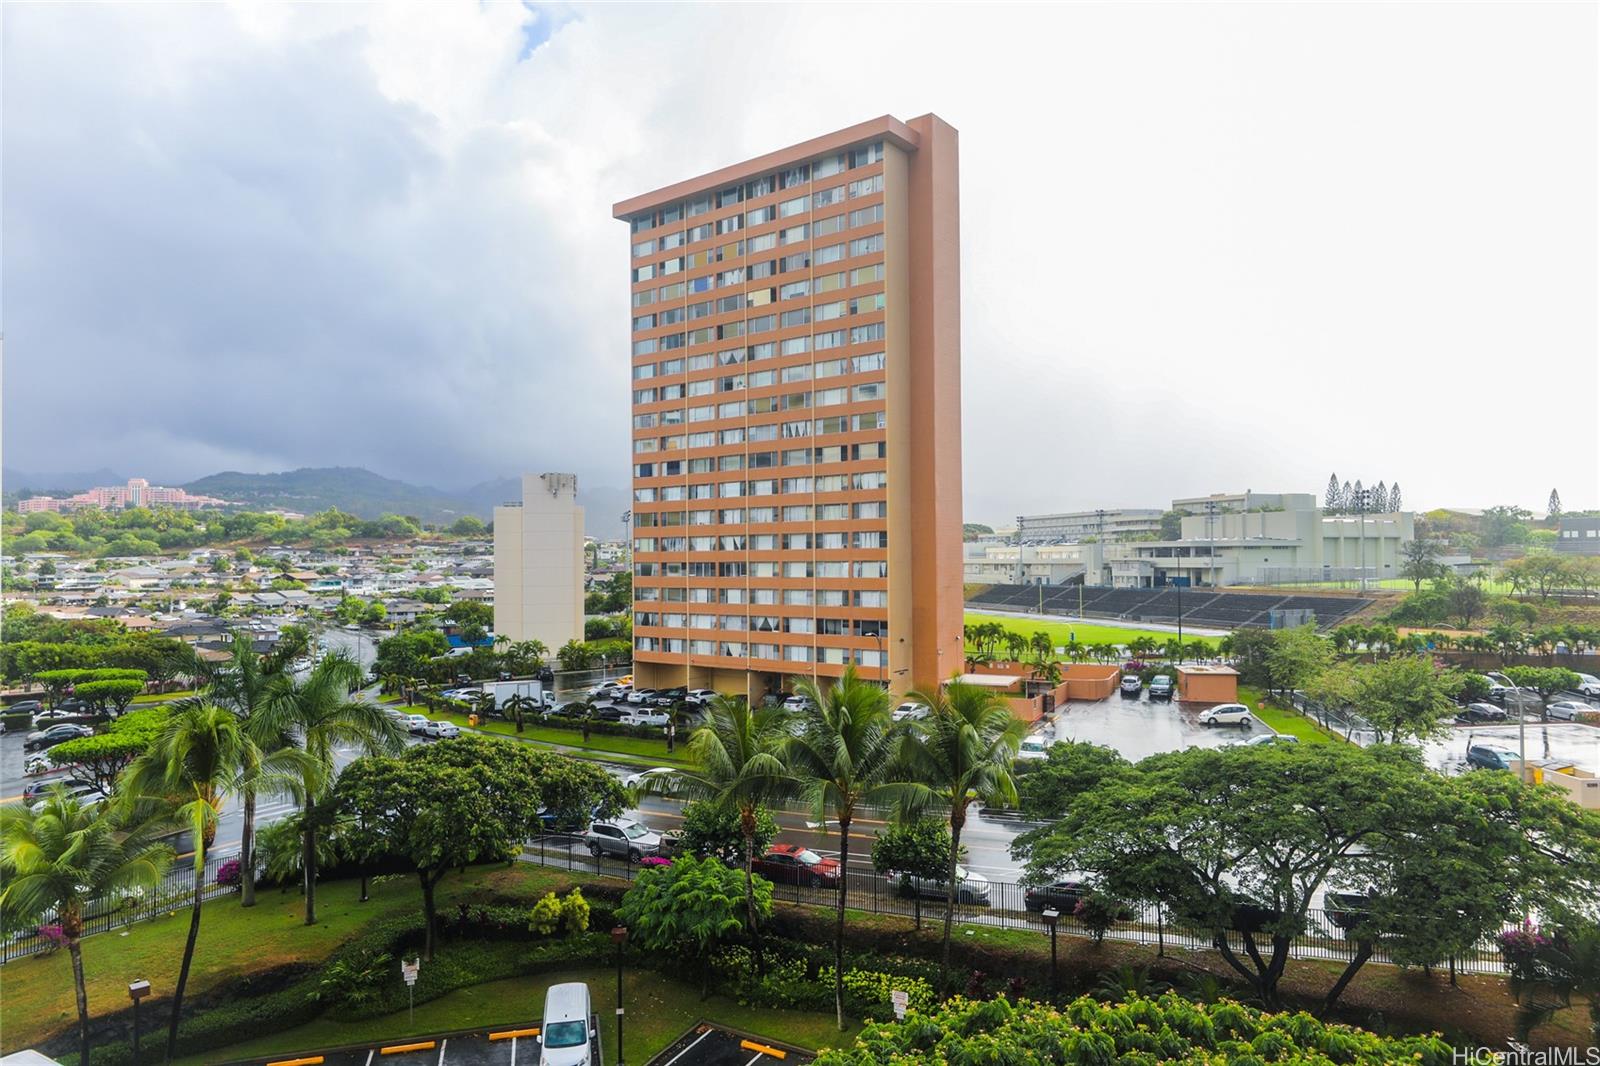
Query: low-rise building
(1119, 523)
(1032, 564)
(1578, 535)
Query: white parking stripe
(442, 1044)
(690, 1048)
(755, 1060)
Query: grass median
(1280, 720)
(643, 752)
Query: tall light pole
(619, 935)
(1363, 497)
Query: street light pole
(619, 934)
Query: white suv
(910, 711)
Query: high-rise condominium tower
(797, 415)
(538, 562)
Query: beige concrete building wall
(538, 562)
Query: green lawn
(659, 1010)
(38, 996)
(163, 697)
(1285, 721)
(1086, 632)
(634, 750)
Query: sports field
(1084, 632)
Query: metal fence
(1003, 905)
(174, 894)
(1006, 906)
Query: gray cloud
(1204, 247)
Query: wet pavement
(1138, 728)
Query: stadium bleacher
(1210, 607)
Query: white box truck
(532, 689)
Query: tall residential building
(538, 562)
(796, 326)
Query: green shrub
(545, 915)
(575, 913)
(1167, 1029)
(354, 980)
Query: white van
(566, 1037)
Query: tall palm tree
(964, 750)
(517, 707)
(319, 713)
(842, 761)
(64, 858)
(736, 755)
(239, 683)
(202, 755)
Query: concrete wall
(538, 562)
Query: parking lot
(1566, 742)
(708, 1044)
(1141, 727)
(517, 1044)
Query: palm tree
(962, 751)
(319, 714)
(203, 755)
(1016, 644)
(517, 705)
(738, 765)
(64, 858)
(841, 762)
(240, 683)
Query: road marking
(420, 1045)
(690, 1048)
(442, 1044)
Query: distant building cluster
(136, 493)
(1241, 538)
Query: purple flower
(228, 873)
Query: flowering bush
(52, 937)
(229, 873)
(655, 860)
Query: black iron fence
(1000, 904)
(1007, 905)
(173, 894)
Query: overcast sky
(1204, 247)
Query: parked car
(1484, 757)
(910, 711)
(74, 705)
(639, 695)
(32, 707)
(34, 765)
(415, 723)
(1227, 714)
(1162, 687)
(635, 780)
(671, 695)
(1566, 710)
(1589, 686)
(567, 1036)
(971, 886)
(1346, 909)
(54, 715)
(791, 864)
(604, 688)
(1034, 748)
(1131, 686)
(646, 717)
(56, 734)
(441, 730)
(1481, 712)
(796, 703)
(36, 789)
(701, 697)
(610, 714)
(560, 821)
(622, 839)
(1269, 739)
(82, 791)
(1062, 895)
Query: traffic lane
(987, 841)
(1565, 742)
(1138, 728)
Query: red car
(791, 864)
